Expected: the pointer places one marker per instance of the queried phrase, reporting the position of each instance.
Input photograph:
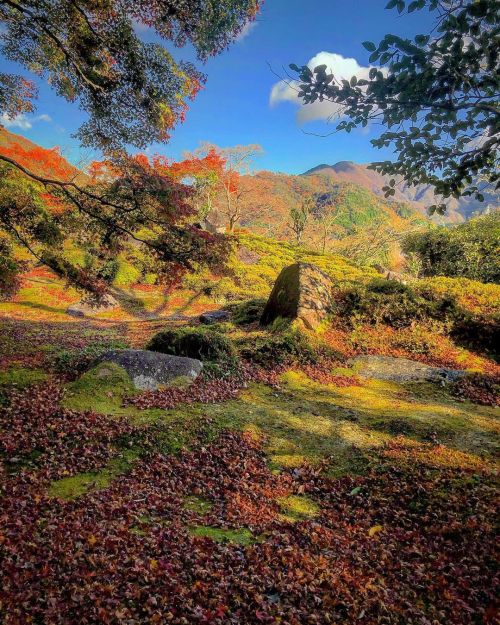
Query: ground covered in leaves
(208, 532)
(288, 495)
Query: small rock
(214, 316)
(87, 308)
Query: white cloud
(246, 30)
(21, 121)
(339, 66)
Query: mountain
(266, 199)
(420, 196)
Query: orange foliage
(40, 161)
(212, 162)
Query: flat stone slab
(86, 309)
(214, 316)
(150, 370)
(402, 370)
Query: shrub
(469, 250)
(201, 343)
(277, 350)
(478, 388)
(395, 304)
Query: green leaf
(373, 57)
(370, 46)
(356, 490)
(421, 40)
(391, 4)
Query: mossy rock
(302, 292)
(151, 370)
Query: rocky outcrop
(85, 308)
(402, 370)
(214, 316)
(150, 370)
(302, 292)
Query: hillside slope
(420, 196)
(50, 168)
(267, 197)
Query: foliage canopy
(437, 95)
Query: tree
(299, 216)
(437, 95)
(134, 93)
(127, 200)
(238, 162)
(326, 213)
(204, 174)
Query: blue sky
(235, 106)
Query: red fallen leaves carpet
(125, 555)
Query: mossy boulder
(302, 292)
(150, 370)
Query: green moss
(297, 508)
(21, 377)
(77, 485)
(127, 273)
(239, 536)
(103, 389)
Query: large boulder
(85, 308)
(402, 370)
(150, 371)
(302, 292)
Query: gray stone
(85, 308)
(214, 316)
(150, 370)
(302, 292)
(402, 370)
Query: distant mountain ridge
(420, 196)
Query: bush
(469, 250)
(201, 343)
(478, 388)
(281, 349)
(395, 304)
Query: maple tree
(127, 199)
(237, 163)
(134, 93)
(204, 173)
